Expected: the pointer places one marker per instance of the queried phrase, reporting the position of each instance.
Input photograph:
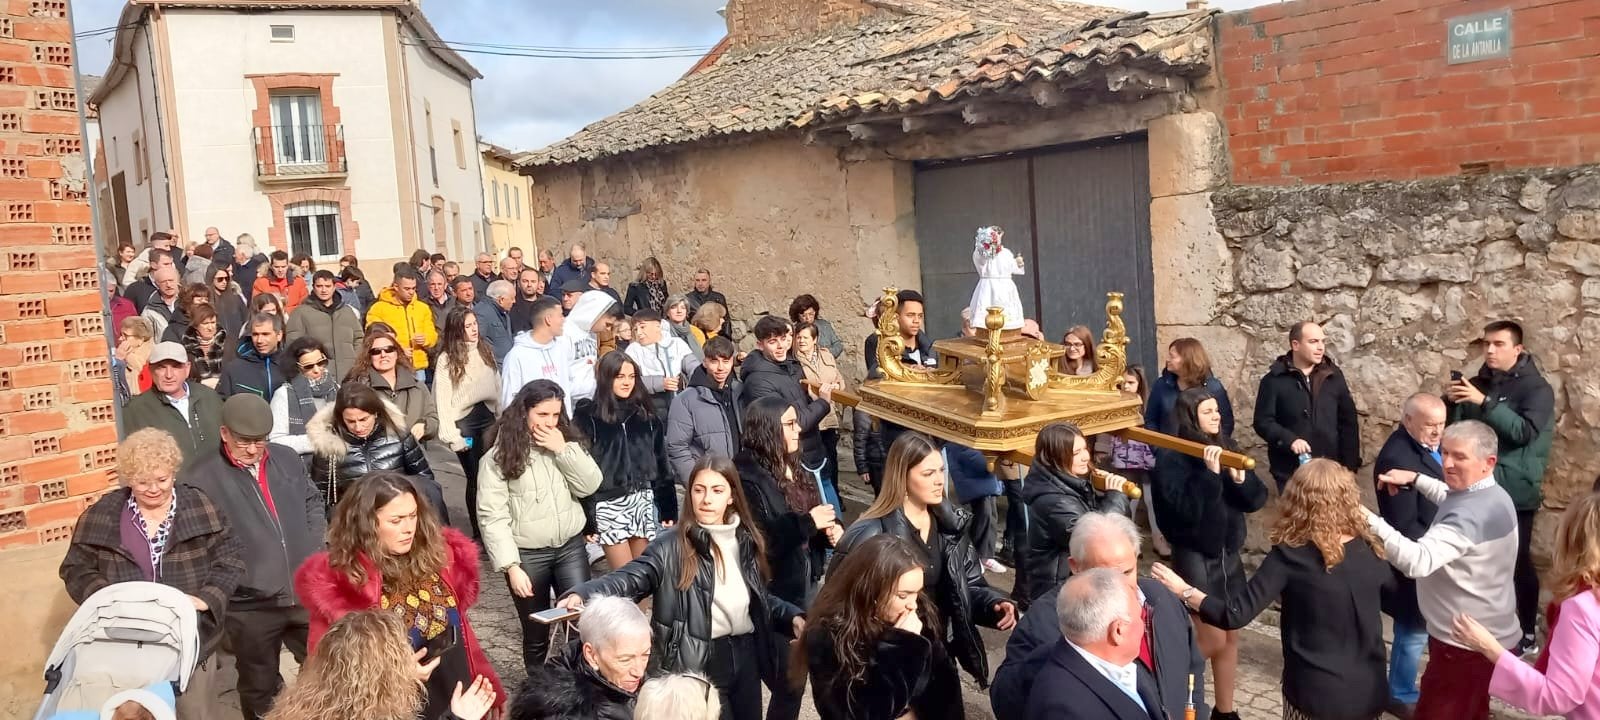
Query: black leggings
(737, 676)
(1525, 580)
(473, 427)
(559, 569)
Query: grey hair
(1418, 402)
(432, 273)
(1094, 525)
(688, 696)
(500, 289)
(1481, 438)
(578, 246)
(245, 239)
(1089, 602)
(676, 300)
(606, 618)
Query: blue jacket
(567, 271)
(1164, 395)
(252, 372)
(494, 326)
(969, 473)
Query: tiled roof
(913, 53)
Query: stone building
(1335, 160)
(58, 429)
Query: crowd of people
(275, 470)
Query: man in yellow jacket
(412, 320)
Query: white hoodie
(668, 358)
(579, 333)
(531, 360)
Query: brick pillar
(57, 424)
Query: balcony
(297, 153)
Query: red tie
(1145, 656)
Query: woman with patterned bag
(385, 554)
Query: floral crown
(988, 240)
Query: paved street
(495, 622)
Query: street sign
(1484, 36)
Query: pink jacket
(1571, 686)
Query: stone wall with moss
(1403, 275)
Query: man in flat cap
(279, 517)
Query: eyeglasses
(320, 363)
(249, 442)
(375, 352)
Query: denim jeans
(1404, 659)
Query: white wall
(130, 110)
(213, 52)
(431, 83)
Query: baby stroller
(135, 641)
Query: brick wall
(1347, 90)
(758, 22)
(57, 429)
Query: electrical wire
(550, 55)
(576, 49)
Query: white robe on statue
(996, 289)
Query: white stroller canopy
(127, 635)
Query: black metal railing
(291, 150)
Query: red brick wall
(1346, 90)
(57, 431)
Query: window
(516, 200)
(283, 33)
(495, 185)
(299, 137)
(433, 156)
(139, 163)
(456, 137)
(314, 229)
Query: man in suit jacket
(1111, 541)
(1093, 671)
(1413, 446)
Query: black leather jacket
(339, 458)
(963, 595)
(680, 621)
(1055, 502)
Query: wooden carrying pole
(1149, 437)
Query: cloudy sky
(527, 102)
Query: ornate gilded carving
(994, 368)
(891, 348)
(1111, 357)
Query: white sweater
(479, 384)
(730, 599)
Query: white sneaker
(994, 566)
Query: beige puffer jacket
(537, 509)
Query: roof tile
(911, 54)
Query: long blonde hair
(1576, 560)
(363, 668)
(1321, 505)
(907, 452)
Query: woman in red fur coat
(387, 550)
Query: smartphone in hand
(554, 615)
(441, 643)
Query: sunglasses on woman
(388, 350)
(310, 365)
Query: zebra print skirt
(629, 516)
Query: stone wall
(1404, 274)
(769, 218)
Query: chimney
(752, 23)
(1196, 4)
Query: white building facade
(324, 128)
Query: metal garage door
(1079, 214)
